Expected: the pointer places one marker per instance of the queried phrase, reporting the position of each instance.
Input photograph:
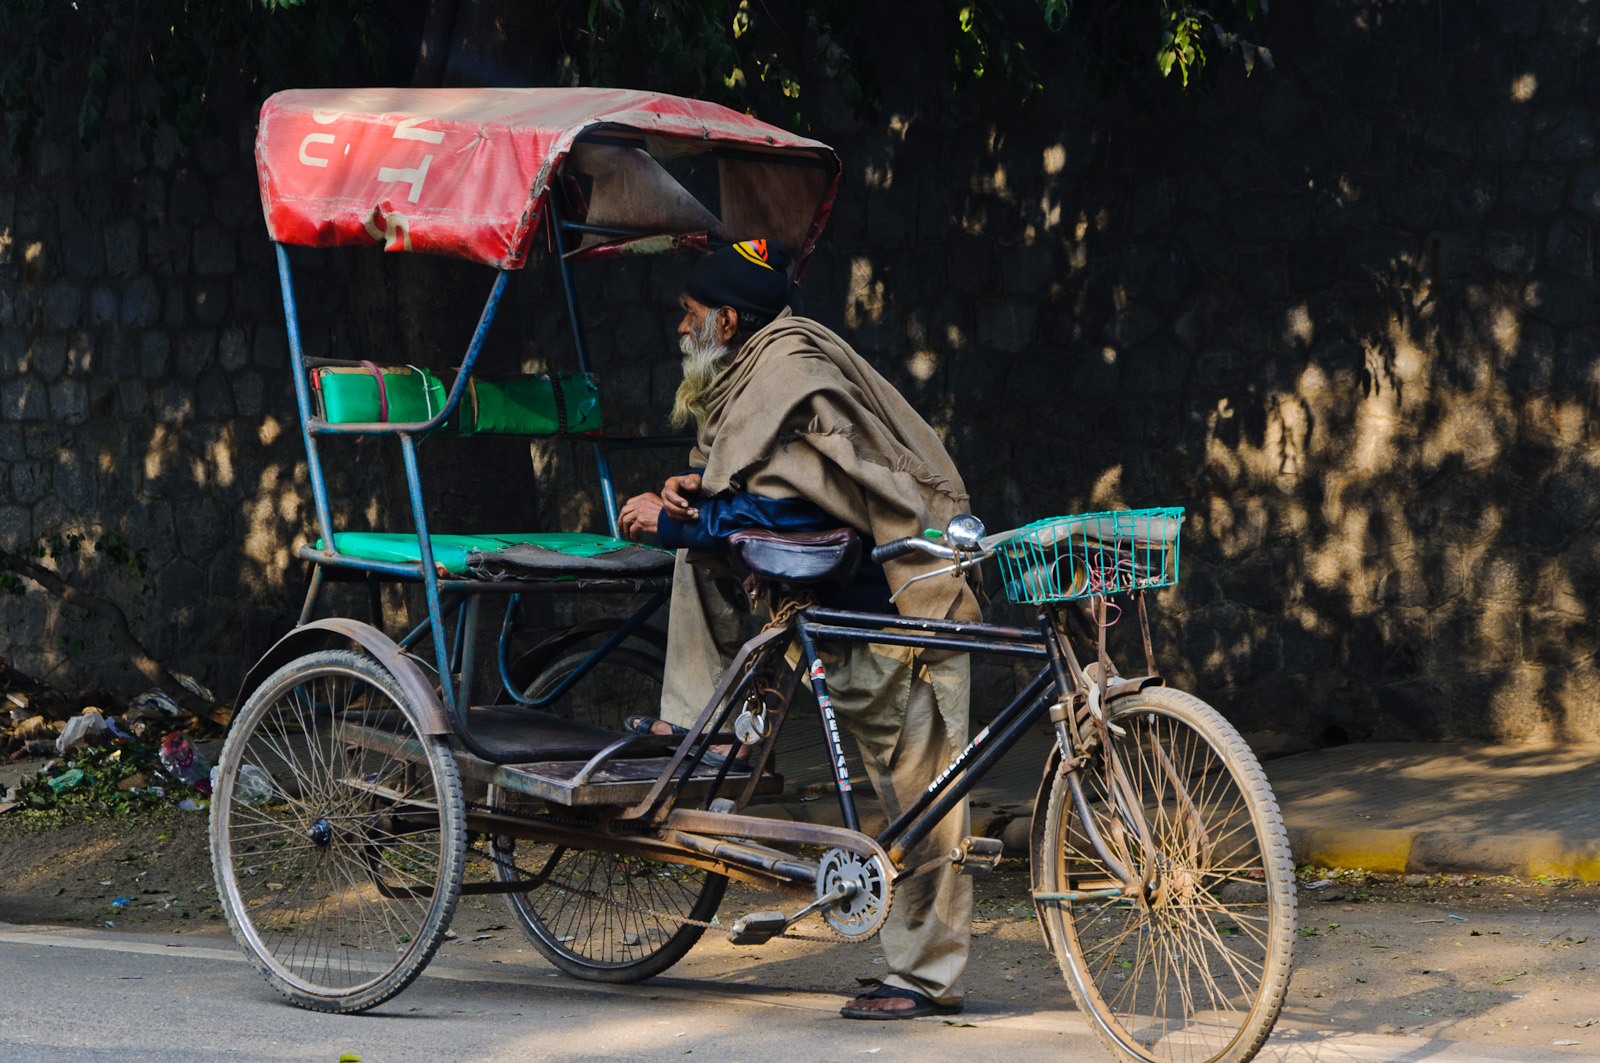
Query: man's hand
(676, 495)
(639, 517)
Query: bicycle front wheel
(1193, 968)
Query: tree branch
(121, 633)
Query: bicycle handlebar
(901, 547)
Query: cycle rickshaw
(1160, 866)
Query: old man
(796, 432)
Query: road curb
(1433, 852)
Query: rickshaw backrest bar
(302, 394)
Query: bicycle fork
(1073, 686)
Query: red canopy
(465, 172)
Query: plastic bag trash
(193, 686)
(69, 780)
(189, 804)
(184, 762)
(155, 699)
(81, 731)
(253, 786)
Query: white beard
(704, 359)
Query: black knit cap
(751, 276)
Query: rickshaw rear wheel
(600, 916)
(625, 682)
(338, 858)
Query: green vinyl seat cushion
(508, 556)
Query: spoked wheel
(604, 917)
(338, 857)
(625, 682)
(1194, 967)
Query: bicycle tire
(603, 916)
(625, 682)
(1211, 950)
(338, 893)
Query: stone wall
(1341, 312)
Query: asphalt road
(75, 995)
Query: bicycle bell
(964, 531)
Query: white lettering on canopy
(314, 138)
(394, 225)
(407, 130)
(413, 176)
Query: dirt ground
(1491, 960)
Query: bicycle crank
(852, 892)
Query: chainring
(861, 914)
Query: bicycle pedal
(977, 856)
(757, 928)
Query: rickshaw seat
(531, 555)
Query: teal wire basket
(1062, 558)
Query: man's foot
(715, 756)
(889, 1002)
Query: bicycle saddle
(797, 558)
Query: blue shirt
(725, 514)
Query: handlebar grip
(891, 550)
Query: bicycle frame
(1059, 690)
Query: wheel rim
(333, 887)
(604, 910)
(1178, 974)
(624, 683)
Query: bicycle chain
(833, 937)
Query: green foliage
(739, 53)
(175, 49)
(104, 768)
(755, 55)
(1187, 25)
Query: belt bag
(797, 558)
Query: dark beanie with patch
(751, 276)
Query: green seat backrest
(350, 396)
(558, 403)
(542, 405)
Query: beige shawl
(798, 414)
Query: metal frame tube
(943, 642)
(430, 581)
(617, 637)
(302, 396)
(1024, 700)
(830, 725)
(580, 344)
(463, 378)
(956, 789)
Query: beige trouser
(908, 727)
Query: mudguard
(316, 635)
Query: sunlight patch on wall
(221, 455)
(163, 445)
(1297, 325)
(866, 294)
(1524, 86)
(1107, 490)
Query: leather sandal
(642, 725)
(920, 1005)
